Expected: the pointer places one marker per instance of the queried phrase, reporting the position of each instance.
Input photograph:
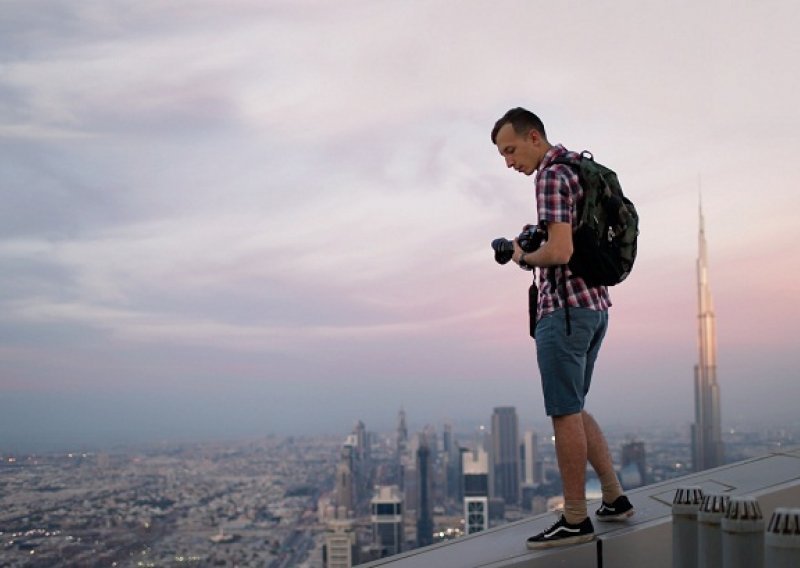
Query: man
(566, 358)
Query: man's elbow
(562, 255)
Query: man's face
(520, 152)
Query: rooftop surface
(645, 540)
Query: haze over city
(232, 219)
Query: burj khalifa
(707, 450)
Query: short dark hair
(522, 120)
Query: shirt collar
(552, 154)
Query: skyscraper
(505, 454)
(401, 448)
(634, 465)
(345, 488)
(340, 544)
(425, 495)
(402, 432)
(447, 437)
(386, 510)
(476, 490)
(362, 441)
(361, 465)
(451, 462)
(707, 451)
(530, 458)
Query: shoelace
(554, 525)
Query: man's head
(520, 137)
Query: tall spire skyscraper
(707, 451)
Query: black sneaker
(620, 510)
(563, 533)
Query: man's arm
(557, 250)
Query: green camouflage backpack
(604, 242)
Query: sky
(231, 218)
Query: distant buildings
(80, 509)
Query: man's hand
(518, 252)
(556, 250)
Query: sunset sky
(243, 217)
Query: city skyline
(227, 219)
(275, 501)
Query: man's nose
(509, 162)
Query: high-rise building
(707, 450)
(410, 483)
(402, 432)
(531, 468)
(530, 458)
(431, 438)
(425, 494)
(460, 482)
(634, 466)
(345, 486)
(386, 509)
(361, 466)
(447, 438)
(451, 462)
(505, 454)
(476, 490)
(362, 446)
(340, 544)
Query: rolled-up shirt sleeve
(554, 200)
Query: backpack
(604, 242)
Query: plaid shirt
(558, 195)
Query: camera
(529, 240)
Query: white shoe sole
(560, 542)
(616, 518)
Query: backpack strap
(575, 164)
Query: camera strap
(563, 268)
(562, 300)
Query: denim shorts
(566, 361)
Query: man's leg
(574, 526)
(572, 454)
(600, 458)
(579, 439)
(597, 447)
(562, 362)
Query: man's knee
(568, 424)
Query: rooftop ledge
(645, 540)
